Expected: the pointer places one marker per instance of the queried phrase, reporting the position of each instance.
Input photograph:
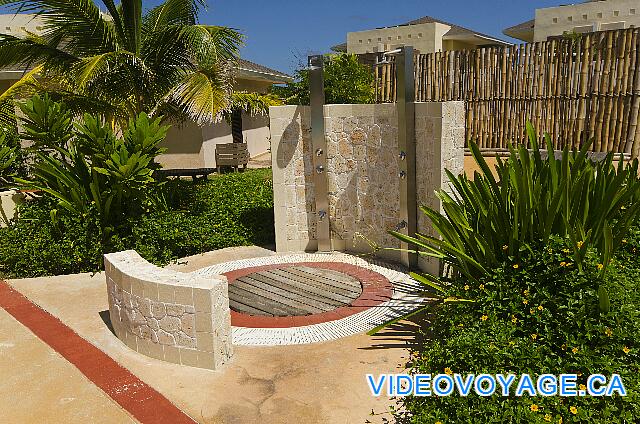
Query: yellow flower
(582, 387)
(574, 350)
(505, 247)
(573, 410)
(600, 266)
(540, 307)
(534, 407)
(516, 266)
(563, 263)
(461, 325)
(608, 332)
(484, 317)
(563, 347)
(466, 286)
(626, 349)
(448, 371)
(481, 287)
(624, 240)
(547, 418)
(532, 311)
(569, 264)
(534, 336)
(579, 373)
(580, 243)
(525, 301)
(566, 250)
(526, 292)
(514, 320)
(438, 422)
(560, 420)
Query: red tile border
(136, 397)
(376, 289)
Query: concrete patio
(314, 383)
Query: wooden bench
(232, 154)
(194, 173)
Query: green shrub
(227, 210)
(33, 245)
(535, 315)
(346, 81)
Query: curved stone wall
(168, 315)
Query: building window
(600, 15)
(399, 37)
(7, 28)
(379, 38)
(555, 20)
(616, 12)
(632, 11)
(584, 17)
(409, 36)
(570, 18)
(389, 38)
(419, 35)
(360, 41)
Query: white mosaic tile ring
(405, 298)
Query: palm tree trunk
(236, 126)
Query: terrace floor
(311, 383)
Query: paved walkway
(317, 383)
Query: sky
(279, 33)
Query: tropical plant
(486, 221)
(7, 159)
(86, 167)
(124, 61)
(346, 81)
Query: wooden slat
(257, 302)
(296, 291)
(275, 294)
(332, 292)
(306, 273)
(292, 291)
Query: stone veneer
(176, 317)
(362, 170)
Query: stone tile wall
(362, 170)
(179, 318)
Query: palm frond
(202, 95)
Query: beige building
(189, 145)
(589, 16)
(427, 35)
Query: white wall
(191, 146)
(554, 21)
(422, 37)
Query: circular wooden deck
(292, 291)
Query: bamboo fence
(573, 89)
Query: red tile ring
(376, 290)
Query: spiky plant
(125, 61)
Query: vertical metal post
(407, 150)
(319, 143)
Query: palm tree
(123, 61)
